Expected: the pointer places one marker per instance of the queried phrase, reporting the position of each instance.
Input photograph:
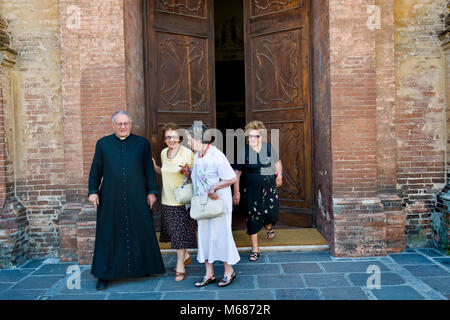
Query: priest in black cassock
(122, 187)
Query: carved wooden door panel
(277, 92)
(180, 65)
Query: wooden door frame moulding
(148, 133)
(149, 114)
(150, 60)
(311, 111)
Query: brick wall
(38, 157)
(359, 217)
(99, 77)
(353, 100)
(420, 111)
(14, 231)
(382, 20)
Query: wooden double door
(181, 82)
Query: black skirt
(261, 200)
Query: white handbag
(185, 192)
(203, 207)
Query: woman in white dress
(213, 175)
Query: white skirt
(215, 238)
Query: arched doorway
(256, 68)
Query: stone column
(359, 217)
(13, 220)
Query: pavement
(414, 274)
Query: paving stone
(263, 258)
(410, 259)
(326, 280)
(444, 261)
(354, 266)
(427, 271)
(246, 269)
(397, 293)
(135, 296)
(246, 295)
(301, 268)
(37, 282)
(441, 284)
(134, 285)
(169, 284)
(51, 261)
(4, 286)
(169, 259)
(32, 263)
(13, 275)
(299, 257)
(87, 296)
(21, 294)
(347, 293)
(280, 275)
(87, 275)
(194, 271)
(297, 294)
(386, 278)
(280, 281)
(182, 295)
(430, 252)
(86, 287)
(240, 282)
(52, 269)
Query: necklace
(204, 152)
(176, 153)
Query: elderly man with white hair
(122, 187)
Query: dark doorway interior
(230, 76)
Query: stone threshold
(299, 248)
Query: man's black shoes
(102, 284)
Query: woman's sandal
(205, 281)
(226, 280)
(188, 261)
(270, 234)
(180, 274)
(254, 255)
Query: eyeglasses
(120, 124)
(257, 136)
(173, 138)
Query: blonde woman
(177, 226)
(263, 175)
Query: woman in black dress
(263, 175)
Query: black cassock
(125, 242)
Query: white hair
(121, 112)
